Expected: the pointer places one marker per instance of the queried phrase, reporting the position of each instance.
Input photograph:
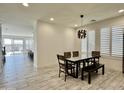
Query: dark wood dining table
(76, 61)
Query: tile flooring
(19, 74)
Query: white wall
(17, 30)
(53, 39)
(109, 62)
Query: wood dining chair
(96, 54)
(67, 54)
(64, 66)
(75, 53)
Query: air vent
(93, 20)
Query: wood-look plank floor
(19, 74)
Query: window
(29, 44)
(18, 42)
(18, 46)
(7, 41)
(84, 45)
(115, 46)
(91, 43)
(105, 41)
(117, 41)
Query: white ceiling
(65, 14)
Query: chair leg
(103, 70)
(89, 78)
(66, 72)
(65, 76)
(59, 72)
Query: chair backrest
(96, 59)
(95, 53)
(75, 53)
(89, 62)
(67, 54)
(61, 59)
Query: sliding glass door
(17, 45)
(7, 42)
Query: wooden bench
(91, 68)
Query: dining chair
(75, 53)
(96, 54)
(67, 54)
(64, 66)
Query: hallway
(16, 63)
(15, 66)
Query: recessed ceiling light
(75, 25)
(25, 4)
(120, 11)
(51, 19)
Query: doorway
(17, 50)
(17, 45)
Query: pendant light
(81, 31)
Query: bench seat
(90, 69)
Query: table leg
(82, 74)
(89, 77)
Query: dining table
(76, 61)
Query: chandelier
(81, 31)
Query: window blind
(105, 41)
(117, 41)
